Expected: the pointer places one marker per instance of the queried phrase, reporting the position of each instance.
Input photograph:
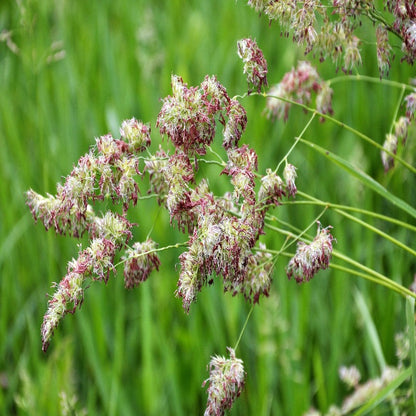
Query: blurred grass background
(79, 70)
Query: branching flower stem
(156, 250)
(296, 141)
(300, 233)
(375, 16)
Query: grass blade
(371, 329)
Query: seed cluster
(225, 383)
(310, 258)
(299, 85)
(330, 29)
(107, 172)
(222, 230)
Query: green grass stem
(374, 340)
(313, 201)
(373, 80)
(346, 127)
(410, 317)
(369, 274)
(340, 209)
(363, 178)
(244, 327)
(380, 279)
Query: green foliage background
(137, 352)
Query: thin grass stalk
(296, 141)
(364, 276)
(363, 178)
(244, 327)
(383, 280)
(330, 205)
(396, 111)
(374, 340)
(410, 317)
(345, 126)
(369, 227)
(377, 231)
(373, 80)
(375, 276)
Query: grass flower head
(225, 383)
(310, 258)
(140, 261)
(255, 66)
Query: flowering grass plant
(223, 233)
